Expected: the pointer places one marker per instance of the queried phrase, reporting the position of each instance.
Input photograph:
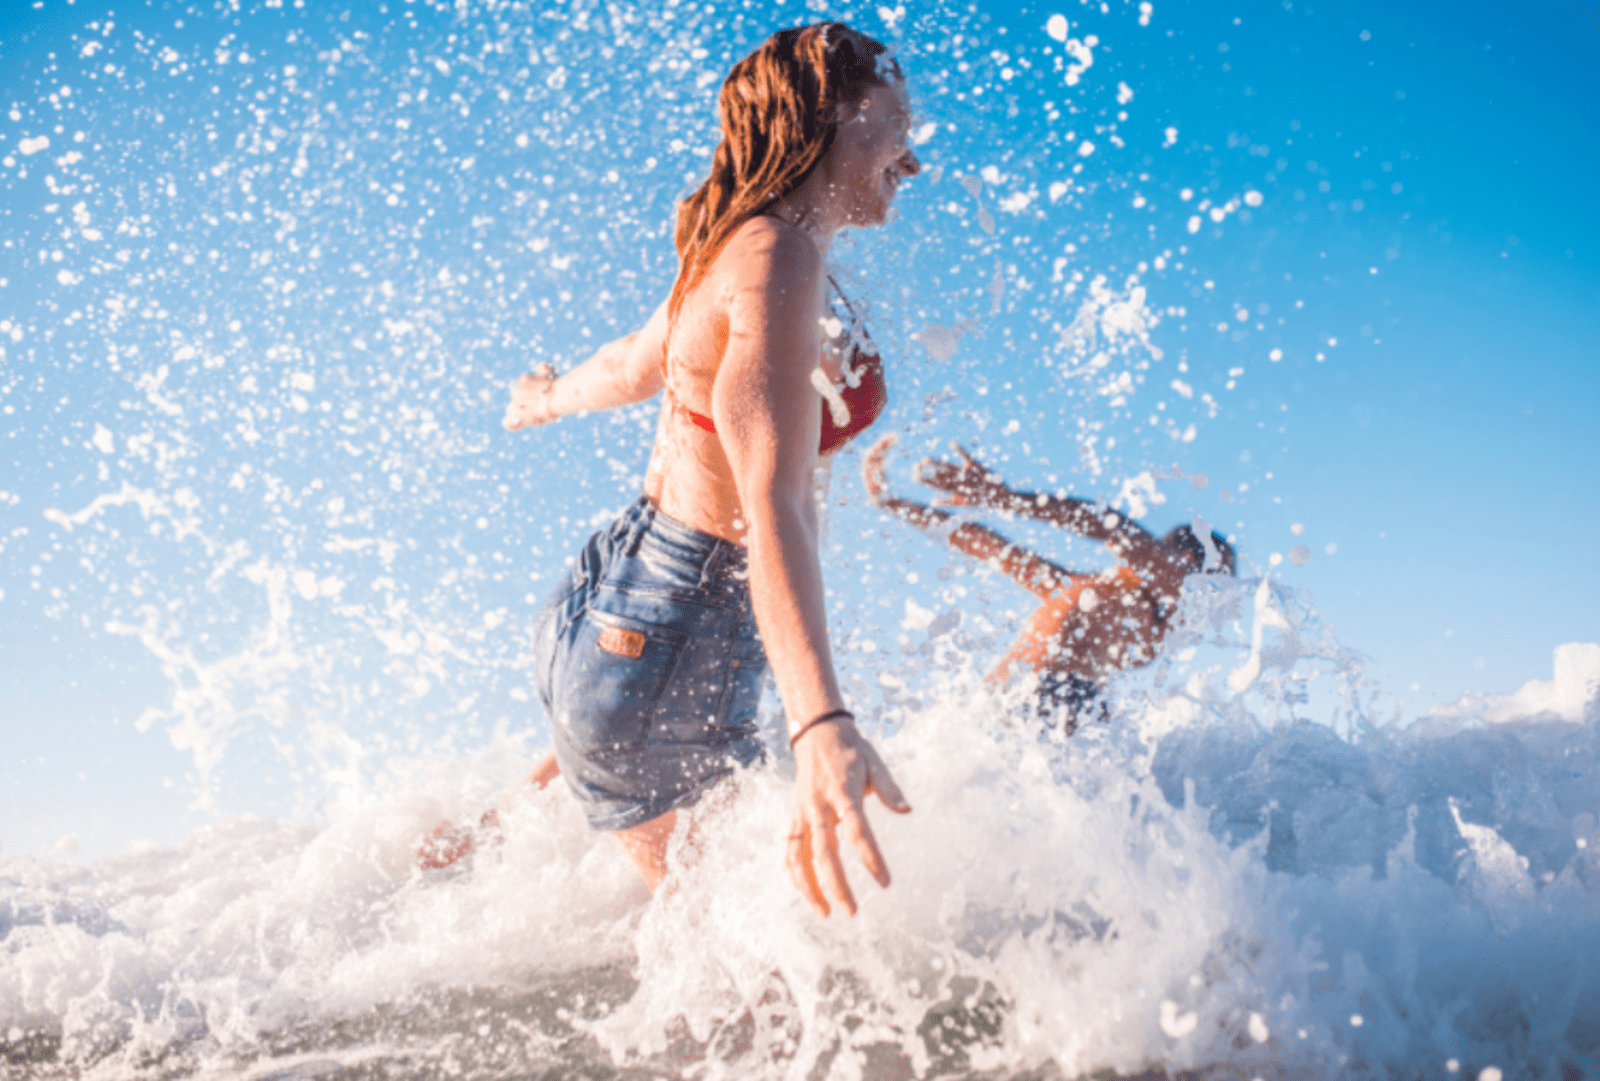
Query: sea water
(1181, 886)
(269, 274)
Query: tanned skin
(742, 351)
(1086, 625)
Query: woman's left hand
(835, 768)
(530, 399)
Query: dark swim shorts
(649, 667)
(1068, 700)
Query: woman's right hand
(967, 484)
(530, 399)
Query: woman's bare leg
(646, 845)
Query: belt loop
(713, 563)
(639, 522)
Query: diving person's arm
(621, 372)
(449, 843)
(1030, 570)
(968, 483)
(767, 415)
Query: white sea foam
(1209, 877)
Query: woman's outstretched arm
(767, 415)
(622, 372)
(1028, 569)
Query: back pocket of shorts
(614, 675)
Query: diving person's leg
(546, 771)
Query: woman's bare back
(719, 343)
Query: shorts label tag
(622, 642)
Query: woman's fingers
(971, 472)
(836, 768)
(831, 871)
(802, 872)
(516, 416)
(527, 396)
(815, 859)
(882, 784)
(858, 831)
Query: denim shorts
(649, 668)
(1069, 700)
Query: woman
(651, 655)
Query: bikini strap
(843, 299)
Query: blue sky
(1442, 446)
(1449, 458)
(1446, 461)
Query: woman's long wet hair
(779, 109)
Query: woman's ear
(850, 112)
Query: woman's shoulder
(768, 249)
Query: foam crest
(1208, 878)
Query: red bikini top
(862, 399)
(864, 403)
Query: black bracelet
(831, 715)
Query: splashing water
(257, 321)
(1208, 878)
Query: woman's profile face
(869, 156)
